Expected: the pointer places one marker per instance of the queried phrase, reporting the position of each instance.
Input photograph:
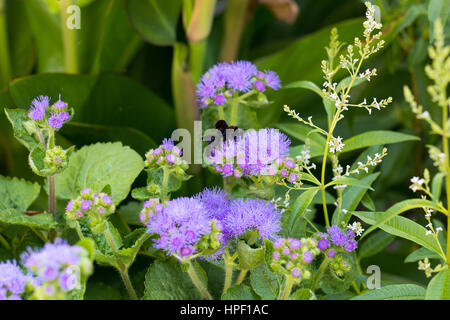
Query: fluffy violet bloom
(181, 225)
(351, 245)
(294, 243)
(260, 85)
(276, 255)
(41, 102)
(308, 257)
(278, 243)
(36, 114)
(55, 121)
(60, 105)
(331, 253)
(296, 272)
(252, 215)
(216, 202)
(12, 281)
(322, 244)
(272, 80)
(342, 239)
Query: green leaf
(436, 186)
(130, 212)
(398, 208)
(265, 283)
(368, 202)
(18, 119)
(379, 137)
(394, 292)
(249, 258)
(301, 294)
(14, 216)
(155, 20)
(439, 286)
(239, 292)
(98, 165)
(17, 193)
(401, 227)
(135, 240)
(374, 244)
(330, 108)
(141, 193)
(305, 85)
(351, 182)
(332, 283)
(165, 280)
(303, 132)
(300, 205)
(421, 254)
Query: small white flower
(356, 227)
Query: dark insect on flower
(224, 128)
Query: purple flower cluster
(185, 228)
(151, 207)
(54, 116)
(293, 256)
(206, 223)
(224, 80)
(166, 154)
(12, 281)
(340, 239)
(90, 205)
(56, 267)
(253, 154)
(285, 169)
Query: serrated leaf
(239, 292)
(401, 227)
(439, 286)
(17, 193)
(394, 292)
(135, 240)
(372, 138)
(265, 283)
(18, 118)
(14, 216)
(165, 280)
(98, 165)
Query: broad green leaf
(374, 244)
(14, 216)
(439, 286)
(368, 202)
(300, 205)
(301, 294)
(18, 119)
(421, 254)
(133, 243)
(165, 280)
(249, 258)
(349, 181)
(394, 292)
(401, 227)
(17, 193)
(130, 212)
(265, 283)
(372, 138)
(305, 85)
(98, 165)
(239, 292)
(398, 208)
(155, 20)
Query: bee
(223, 127)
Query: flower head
(12, 281)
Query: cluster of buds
(211, 242)
(56, 269)
(167, 154)
(151, 207)
(91, 207)
(292, 257)
(56, 159)
(425, 265)
(285, 169)
(340, 265)
(49, 116)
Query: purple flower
(36, 114)
(260, 85)
(41, 102)
(295, 243)
(171, 158)
(331, 253)
(272, 80)
(322, 244)
(60, 104)
(289, 164)
(85, 205)
(252, 215)
(351, 245)
(308, 257)
(64, 116)
(278, 243)
(12, 281)
(216, 203)
(107, 200)
(67, 281)
(337, 236)
(219, 99)
(167, 144)
(180, 216)
(286, 251)
(293, 178)
(69, 206)
(296, 272)
(276, 255)
(55, 121)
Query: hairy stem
(123, 270)
(241, 276)
(287, 288)
(197, 282)
(228, 273)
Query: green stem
(5, 62)
(197, 282)
(234, 109)
(319, 273)
(234, 25)
(221, 114)
(287, 288)
(69, 40)
(228, 273)
(120, 265)
(241, 276)
(197, 51)
(447, 169)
